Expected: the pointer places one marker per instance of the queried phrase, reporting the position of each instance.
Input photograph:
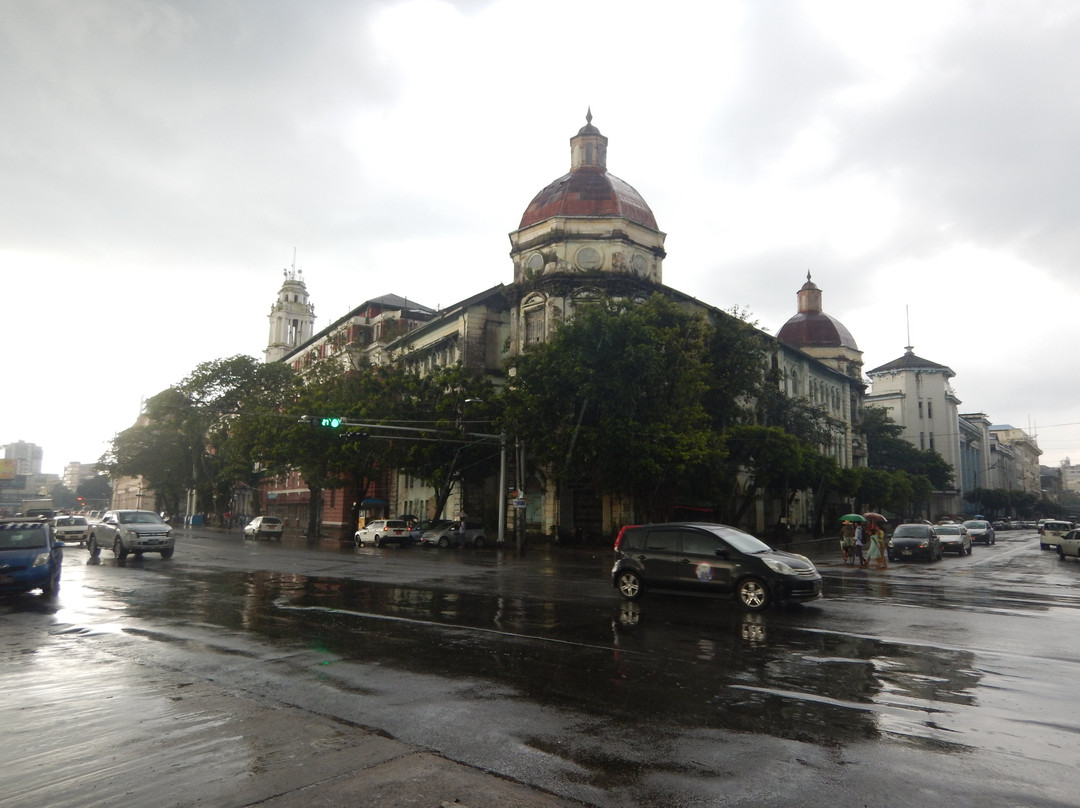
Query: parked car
(981, 530)
(1052, 531)
(71, 529)
(915, 541)
(954, 539)
(132, 531)
(710, 559)
(381, 532)
(453, 533)
(30, 557)
(269, 526)
(1069, 545)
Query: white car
(71, 529)
(381, 532)
(269, 526)
(1052, 531)
(1069, 545)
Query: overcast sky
(161, 161)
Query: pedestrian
(847, 542)
(860, 546)
(877, 550)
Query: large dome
(816, 330)
(588, 191)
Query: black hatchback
(710, 559)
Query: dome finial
(588, 115)
(808, 276)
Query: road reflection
(673, 662)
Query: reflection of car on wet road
(710, 559)
(981, 530)
(71, 529)
(260, 526)
(381, 532)
(1052, 531)
(135, 532)
(30, 557)
(954, 539)
(914, 541)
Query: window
(663, 540)
(930, 414)
(920, 409)
(534, 326)
(694, 543)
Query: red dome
(816, 330)
(588, 191)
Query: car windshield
(138, 517)
(975, 524)
(911, 531)
(395, 523)
(70, 521)
(948, 530)
(743, 542)
(271, 520)
(20, 537)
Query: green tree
(887, 451)
(615, 400)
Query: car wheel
(118, 549)
(51, 587)
(753, 594)
(629, 584)
(358, 541)
(167, 553)
(444, 541)
(478, 542)
(1044, 546)
(377, 541)
(92, 547)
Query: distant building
(918, 397)
(1016, 455)
(76, 473)
(27, 457)
(292, 317)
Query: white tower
(292, 317)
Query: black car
(710, 559)
(915, 541)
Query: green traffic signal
(333, 423)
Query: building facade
(587, 235)
(919, 398)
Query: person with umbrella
(878, 554)
(847, 536)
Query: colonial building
(918, 396)
(292, 317)
(587, 235)
(1015, 458)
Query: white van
(1052, 531)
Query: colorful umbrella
(875, 517)
(852, 517)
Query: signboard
(7, 469)
(520, 502)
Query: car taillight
(619, 538)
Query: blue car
(30, 557)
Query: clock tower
(292, 317)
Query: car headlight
(41, 559)
(779, 566)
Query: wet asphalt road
(222, 676)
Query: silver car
(954, 539)
(981, 530)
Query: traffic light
(332, 423)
